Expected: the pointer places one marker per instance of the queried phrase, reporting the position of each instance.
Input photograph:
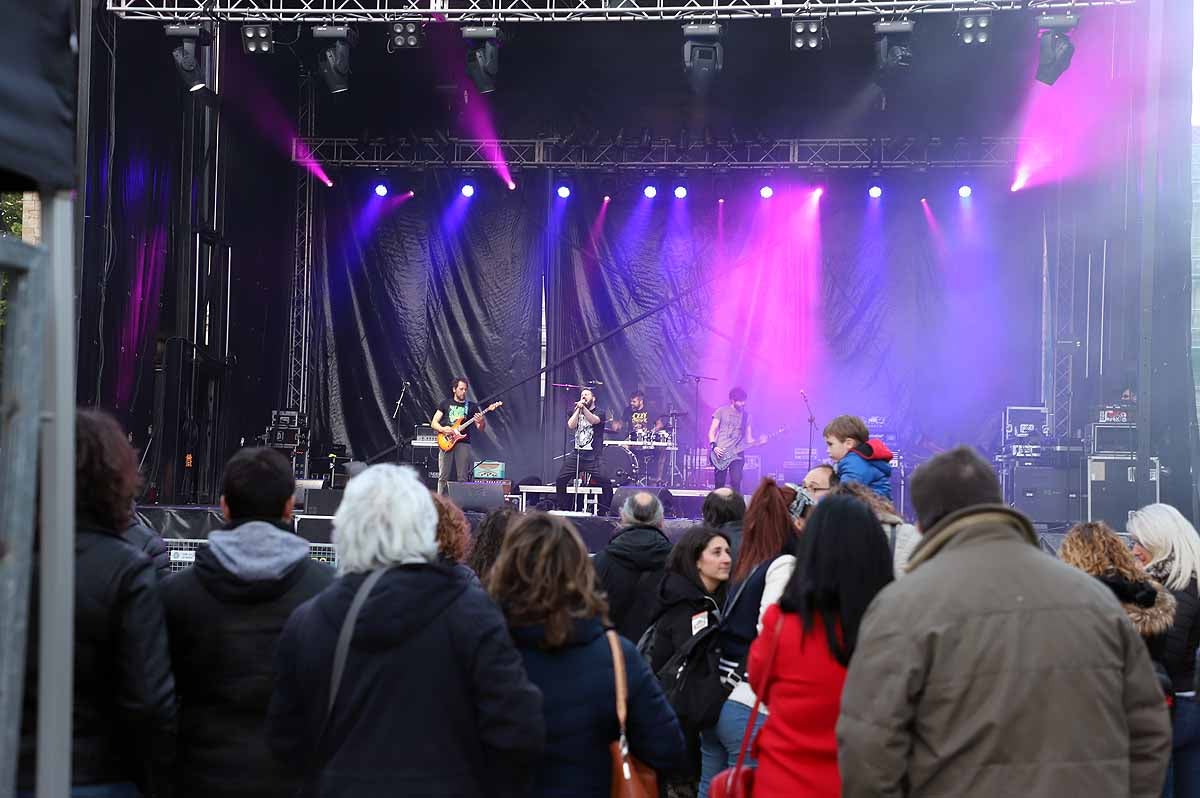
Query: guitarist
(460, 457)
(730, 428)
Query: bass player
(453, 410)
(729, 430)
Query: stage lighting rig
(974, 29)
(483, 56)
(893, 44)
(406, 35)
(257, 38)
(333, 64)
(1055, 48)
(186, 55)
(703, 55)
(807, 34)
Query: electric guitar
(723, 462)
(447, 442)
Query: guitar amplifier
(488, 470)
(506, 485)
(1026, 424)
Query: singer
(460, 458)
(587, 423)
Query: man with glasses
(818, 482)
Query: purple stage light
(766, 192)
(680, 192)
(468, 190)
(650, 191)
(607, 198)
(964, 191)
(818, 193)
(512, 186)
(563, 192)
(875, 192)
(721, 201)
(381, 190)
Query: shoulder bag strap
(757, 698)
(346, 635)
(614, 644)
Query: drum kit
(645, 455)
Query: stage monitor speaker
(322, 502)
(303, 486)
(623, 493)
(477, 497)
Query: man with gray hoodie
(224, 616)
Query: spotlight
(607, 198)
(964, 191)
(703, 55)
(381, 190)
(563, 192)
(680, 192)
(187, 61)
(257, 39)
(766, 192)
(893, 46)
(467, 190)
(333, 64)
(650, 191)
(875, 192)
(1054, 56)
(512, 186)
(483, 56)
(818, 192)
(406, 36)
(974, 28)
(807, 33)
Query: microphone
(595, 382)
(407, 383)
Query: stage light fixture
(607, 198)
(483, 56)
(680, 192)
(974, 28)
(807, 33)
(381, 189)
(257, 38)
(650, 192)
(647, 140)
(703, 55)
(333, 64)
(512, 186)
(563, 192)
(766, 192)
(818, 192)
(875, 192)
(893, 44)
(1054, 56)
(467, 190)
(964, 191)
(721, 201)
(407, 35)
(186, 55)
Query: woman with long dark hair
(546, 586)
(764, 566)
(842, 563)
(490, 537)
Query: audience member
(724, 509)
(546, 585)
(146, 539)
(763, 569)
(632, 564)
(994, 670)
(225, 615)
(798, 663)
(453, 535)
(819, 481)
(857, 456)
(488, 540)
(123, 694)
(902, 537)
(434, 699)
(1167, 545)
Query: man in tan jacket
(994, 671)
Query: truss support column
(298, 338)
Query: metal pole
(83, 115)
(56, 617)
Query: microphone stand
(812, 427)
(396, 425)
(695, 378)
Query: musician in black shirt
(641, 423)
(587, 423)
(450, 412)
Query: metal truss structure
(840, 153)
(497, 11)
(298, 339)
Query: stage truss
(497, 11)
(551, 153)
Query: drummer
(640, 423)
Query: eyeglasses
(811, 488)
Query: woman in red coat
(843, 561)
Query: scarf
(1160, 570)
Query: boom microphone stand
(812, 427)
(396, 423)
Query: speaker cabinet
(478, 497)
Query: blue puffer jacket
(875, 474)
(579, 701)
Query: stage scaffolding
(497, 11)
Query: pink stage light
(766, 192)
(512, 186)
(818, 192)
(607, 198)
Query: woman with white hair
(433, 698)
(1168, 547)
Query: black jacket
(630, 568)
(225, 615)
(123, 704)
(680, 602)
(577, 682)
(150, 543)
(1184, 638)
(434, 700)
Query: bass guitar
(447, 441)
(725, 460)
